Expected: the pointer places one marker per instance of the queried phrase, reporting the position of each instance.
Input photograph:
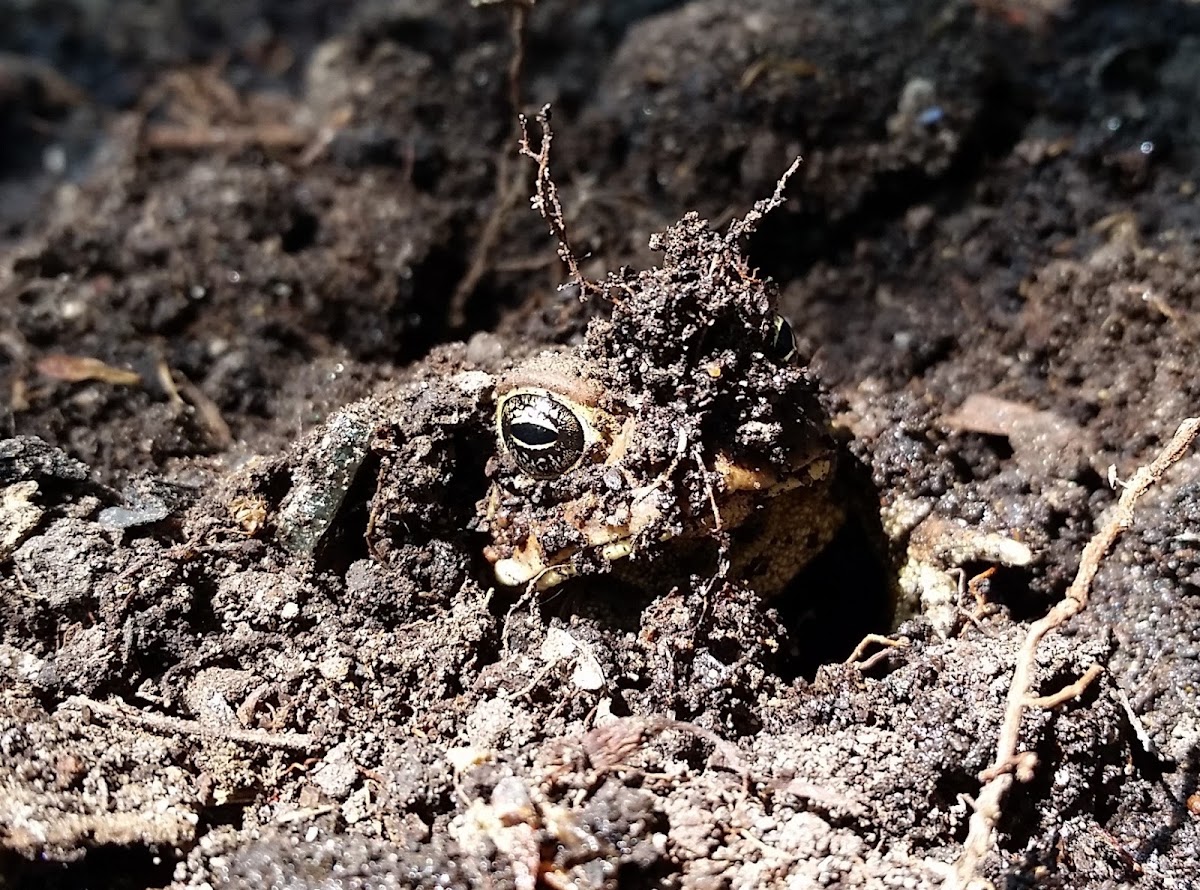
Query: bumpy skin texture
(704, 439)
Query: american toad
(681, 426)
(681, 436)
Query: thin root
(855, 657)
(178, 726)
(1068, 692)
(999, 777)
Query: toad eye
(544, 434)
(783, 340)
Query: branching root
(546, 201)
(989, 805)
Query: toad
(681, 436)
(681, 433)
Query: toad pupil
(541, 432)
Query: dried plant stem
(178, 726)
(747, 224)
(546, 202)
(999, 777)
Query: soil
(259, 263)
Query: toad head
(681, 429)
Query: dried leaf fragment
(78, 368)
(1043, 442)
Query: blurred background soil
(221, 221)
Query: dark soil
(250, 635)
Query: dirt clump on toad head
(682, 426)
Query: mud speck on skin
(241, 643)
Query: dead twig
(546, 202)
(740, 228)
(208, 412)
(234, 137)
(203, 112)
(999, 777)
(177, 726)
